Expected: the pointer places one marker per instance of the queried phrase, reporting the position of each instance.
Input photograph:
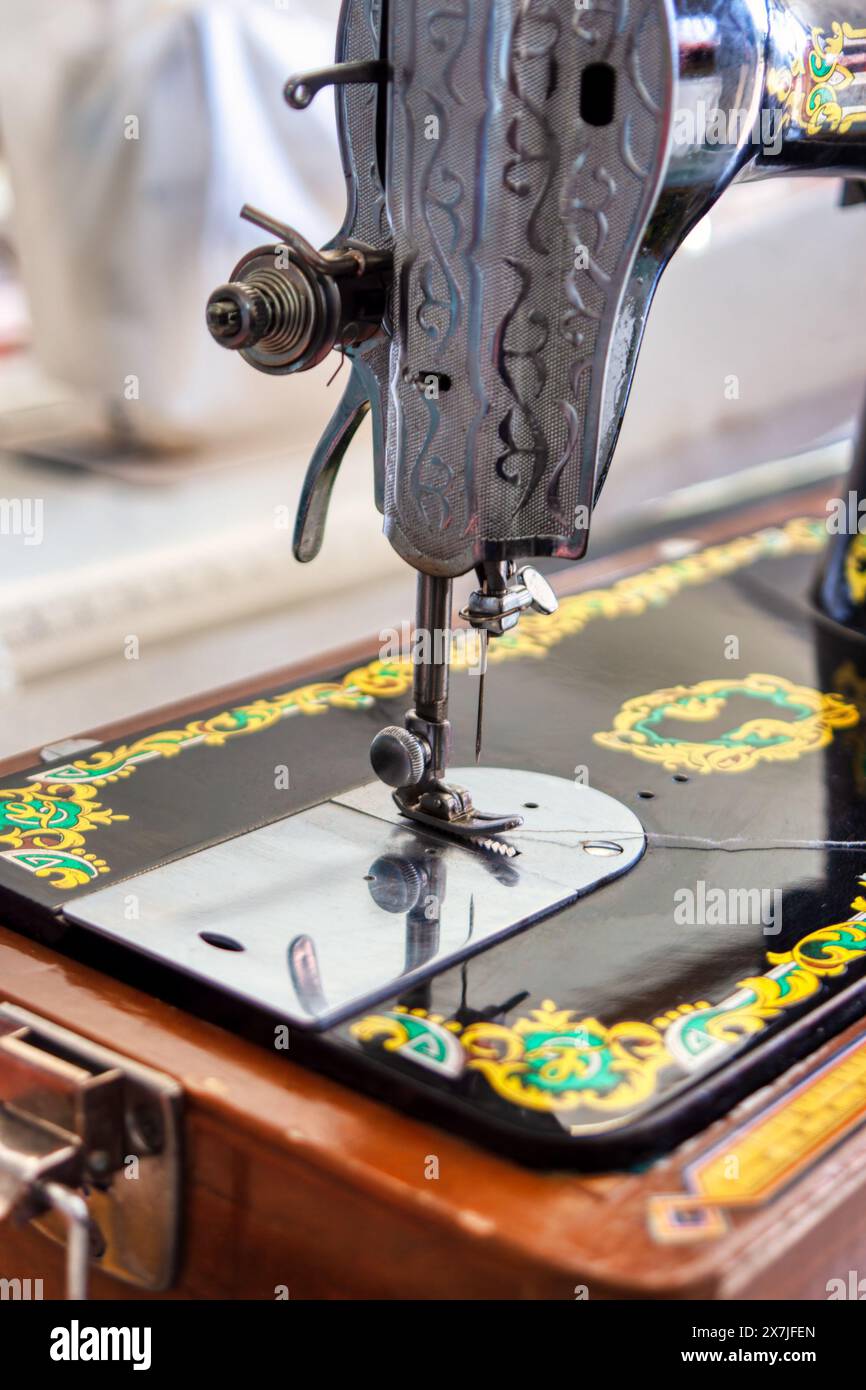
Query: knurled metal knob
(398, 757)
(273, 312)
(238, 316)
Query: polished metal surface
(499, 612)
(560, 820)
(89, 1151)
(431, 675)
(325, 912)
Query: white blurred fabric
(122, 240)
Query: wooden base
(293, 1181)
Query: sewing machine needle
(479, 732)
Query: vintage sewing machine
(630, 942)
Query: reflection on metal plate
(329, 911)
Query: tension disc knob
(238, 316)
(279, 318)
(398, 757)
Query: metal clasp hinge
(89, 1152)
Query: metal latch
(89, 1152)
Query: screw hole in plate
(681, 777)
(530, 806)
(647, 796)
(602, 849)
(222, 943)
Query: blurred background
(148, 480)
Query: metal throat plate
(333, 909)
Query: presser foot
(409, 761)
(443, 806)
(572, 823)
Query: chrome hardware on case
(89, 1152)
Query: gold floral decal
(43, 825)
(43, 828)
(642, 726)
(852, 685)
(855, 569)
(809, 89)
(61, 858)
(553, 1061)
